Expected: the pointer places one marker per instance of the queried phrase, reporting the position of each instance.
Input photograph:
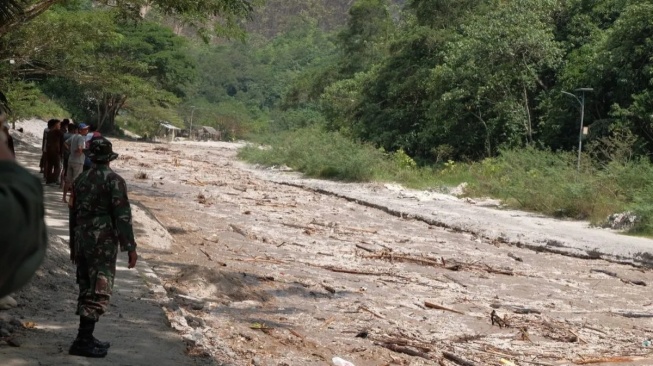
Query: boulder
(7, 303)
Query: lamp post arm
(575, 97)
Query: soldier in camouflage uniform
(102, 222)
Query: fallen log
(459, 360)
(402, 342)
(628, 314)
(405, 258)
(353, 271)
(404, 350)
(617, 359)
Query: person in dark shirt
(10, 141)
(53, 153)
(24, 239)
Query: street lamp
(190, 133)
(580, 101)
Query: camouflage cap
(101, 151)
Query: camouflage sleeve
(24, 238)
(122, 214)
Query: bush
(529, 179)
(320, 154)
(548, 182)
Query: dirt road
(134, 323)
(273, 274)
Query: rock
(7, 303)
(16, 323)
(459, 190)
(622, 221)
(4, 332)
(256, 361)
(197, 305)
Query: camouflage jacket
(101, 209)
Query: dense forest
(439, 79)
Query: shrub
(318, 153)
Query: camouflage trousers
(96, 269)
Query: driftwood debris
(457, 359)
(366, 309)
(629, 314)
(496, 319)
(454, 281)
(615, 275)
(329, 288)
(364, 248)
(364, 230)
(296, 334)
(298, 226)
(617, 359)
(206, 254)
(517, 309)
(239, 230)
(518, 259)
(353, 271)
(404, 350)
(440, 307)
(392, 257)
(417, 344)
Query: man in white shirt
(76, 145)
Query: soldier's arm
(122, 214)
(24, 238)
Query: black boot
(85, 344)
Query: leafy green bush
(549, 182)
(529, 178)
(320, 154)
(28, 101)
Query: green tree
(366, 36)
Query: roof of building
(168, 126)
(210, 130)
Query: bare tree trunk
(529, 123)
(488, 141)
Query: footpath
(135, 323)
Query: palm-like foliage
(9, 9)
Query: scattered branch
(439, 307)
(404, 350)
(371, 312)
(459, 360)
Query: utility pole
(580, 101)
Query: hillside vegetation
(425, 92)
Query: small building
(205, 133)
(168, 131)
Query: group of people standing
(65, 152)
(100, 220)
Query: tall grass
(319, 154)
(529, 179)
